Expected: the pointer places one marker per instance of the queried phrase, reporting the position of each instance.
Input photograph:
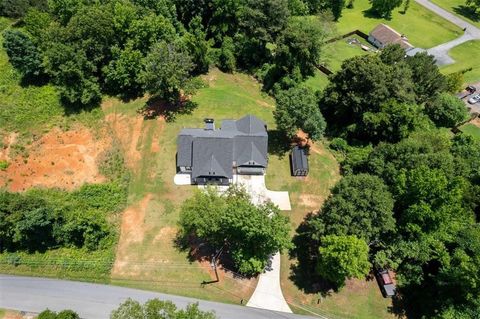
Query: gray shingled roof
(212, 157)
(247, 150)
(213, 152)
(251, 125)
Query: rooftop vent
(209, 124)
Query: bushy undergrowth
(52, 231)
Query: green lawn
(471, 129)
(317, 82)
(458, 7)
(422, 27)
(466, 55)
(341, 50)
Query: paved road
(94, 301)
(440, 52)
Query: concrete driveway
(255, 186)
(440, 52)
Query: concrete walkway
(440, 52)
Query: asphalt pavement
(96, 301)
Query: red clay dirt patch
(128, 131)
(132, 230)
(64, 159)
(8, 141)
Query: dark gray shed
(299, 161)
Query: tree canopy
(359, 205)
(156, 308)
(342, 257)
(297, 108)
(250, 233)
(447, 110)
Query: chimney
(209, 124)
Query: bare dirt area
(128, 132)
(132, 230)
(63, 159)
(476, 122)
(311, 201)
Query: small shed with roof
(299, 161)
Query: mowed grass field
(466, 56)
(459, 8)
(423, 28)
(341, 50)
(472, 130)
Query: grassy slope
(32, 110)
(466, 55)
(458, 7)
(422, 27)
(471, 129)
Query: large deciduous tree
(426, 76)
(166, 74)
(342, 257)
(447, 110)
(23, 53)
(297, 108)
(384, 8)
(359, 205)
(393, 122)
(251, 233)
(362, 85)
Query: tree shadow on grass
(467, 12)
(305, 251)
(158, 107)
(372, 14)
(199, 251)
(278, 143)
(38, 81)
(76, 108)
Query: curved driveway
(94, 301)
(440, 52)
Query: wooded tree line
(131, 47)
(131, 309)
(409, 196)
(39, 220)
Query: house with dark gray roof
(213, 155)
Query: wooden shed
(299, 161)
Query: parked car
(474, 99)
(387, 286)
(468, 91)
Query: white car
(474, 99)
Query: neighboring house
(213, 155)
(383, 35)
